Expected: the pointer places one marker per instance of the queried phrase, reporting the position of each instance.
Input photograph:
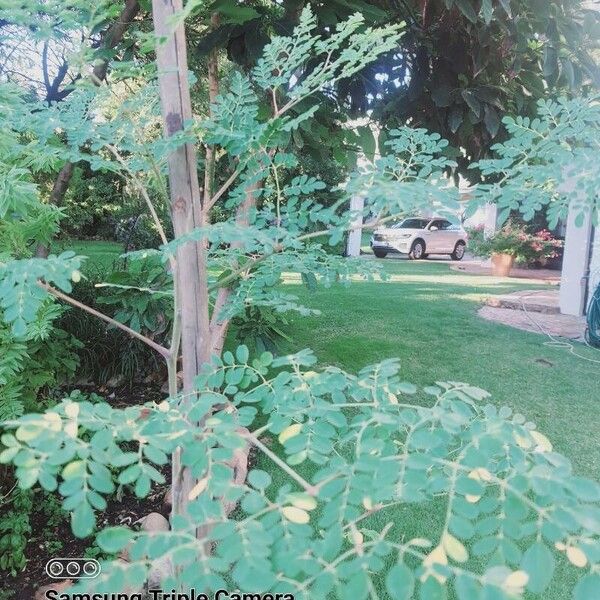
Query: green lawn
(426, 315)
(101, 254)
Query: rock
(59, 586)
(160, 569)
(155, 522)
(115, 381)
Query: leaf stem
(309, 488)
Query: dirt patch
(476, 267)
(54, 539)
(40, 548)
(539, 301)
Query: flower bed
(527, 249)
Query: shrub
(106, 352)
(513, 239)
(261, 328)
(15, 530)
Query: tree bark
(57, 194)
(219, 327)
(115, 34)
(213, 92)
(186, 211)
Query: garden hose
(564, 344)
(592, 331)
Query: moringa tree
(350, 449)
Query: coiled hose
(592, 332)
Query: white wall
(594, 280)
(357, 205)
(575, 264)
(484, 216)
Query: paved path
(533, 310)
(540, 301)
(476, 267)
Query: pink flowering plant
(514, 239)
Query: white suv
(418, 237)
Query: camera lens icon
(91, 568)
(55, 568)
(74, 568)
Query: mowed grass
(426, 315)
(101, 255)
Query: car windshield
(412, 224)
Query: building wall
(594, 280)
(576, 261)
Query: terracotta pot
(502, 264)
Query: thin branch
(279, 248)
(142, 189)
(45, 67)
(310, 489)
(92, 311)
(221, 191)
(246, 267)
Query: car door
(434, 237)
(447, 236)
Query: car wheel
(459, 251)
(380, 253)
(417, 251)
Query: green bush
(261, 328)
(514, 239)
(105, 352)
(15, 530)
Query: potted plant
(513, 244)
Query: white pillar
(490, 219)
(575, 262)
(357, 205)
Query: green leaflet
(404, 453)
(20, 295)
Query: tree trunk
(115, 34)
(219, 327)
(56, 197)
(186, 213)
(213, 92)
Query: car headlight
(405, 235)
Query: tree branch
(213, 92)
(143, 191)
(115, 34)
(208, 205)
(310, 489)
(92, 311)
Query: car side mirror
(433, 228)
